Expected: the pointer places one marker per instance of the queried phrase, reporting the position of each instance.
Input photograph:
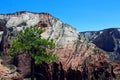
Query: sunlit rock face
(72, 47)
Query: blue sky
(84, 15)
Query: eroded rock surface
(72, 47)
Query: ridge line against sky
(84, 15)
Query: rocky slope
(68, 41)
(108, 40)
(8, 74)
(71, 47)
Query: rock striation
(73, 49)
(70, 45)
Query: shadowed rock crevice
(87, 72)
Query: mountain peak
(24, 12)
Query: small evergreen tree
(31, 42)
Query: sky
(84, 15)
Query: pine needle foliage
(30, 41)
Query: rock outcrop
(73, 49)
(7, 73)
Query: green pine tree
(31, 42)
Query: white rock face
(1, 33)
(119, 30)
(55, 29)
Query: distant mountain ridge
(107, 39)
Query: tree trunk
(32, 69)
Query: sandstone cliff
(71, 46)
